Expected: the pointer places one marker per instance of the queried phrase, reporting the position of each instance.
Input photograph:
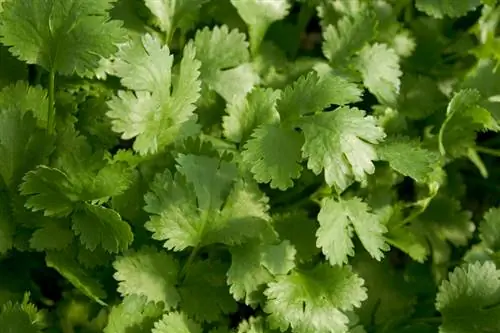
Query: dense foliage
(249, 166)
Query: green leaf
(341, 142)
(156, 114)
(294, 299)
(206, 208)
(220, 50)
(298, 228)
(23, 98)
(15, 318)
(76, 275)
(100, 226)
(338, 220)
(490, 229)
(245, 115)
(148, 273)
(172, 15)
(408, 157)
(204, 293)
(259, 15)
(273, 155)
(54, 235)
(312, 93)
(469, 299)
(254, 264)
(67, 36)
(133, 315)
(22, 145)
(175, 322)
(349, 35)
(451, 8)
(464, 117)
(379, 67)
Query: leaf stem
(488, 151)
(189, 262)
(51, 110)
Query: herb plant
(249, 166)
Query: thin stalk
(189, 262)
(488, 151)
(51, 110)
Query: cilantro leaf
(273, 155)
(175, 322)
(14, 318)
(52, 236)
(338, 220)
(312, 93)
(204, 293)
(254, 264)
(464, 117)
(148, 273)
(441, 8)
(243, 116)
(341, 142)
(469, 299)
(133, 315)
(379, 67)
(24, 98)
(293, 300)
(351, 33)
(258, 15)
(96, 225)
(490, 229)
(220, 50)
(22, 145)
(38, 32)
(172, 15)
(154, 114)
(408, 157)
(204, 206)
(75, 274)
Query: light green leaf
(338, 220)
(314, 301)
(156, 115)
(490, 229)
(379, 66)
(258, 15)
(23, 98)
(312, 93)
(254, 264)
(232, 213)
(148, 273)
(407, 157)
(133, 315)
(451, 8)
(350, 34)
(245, 115)
(341, 142)
(176, 322)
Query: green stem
(51, 111)
(189, 262)
(305, 15)
(488, 151)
